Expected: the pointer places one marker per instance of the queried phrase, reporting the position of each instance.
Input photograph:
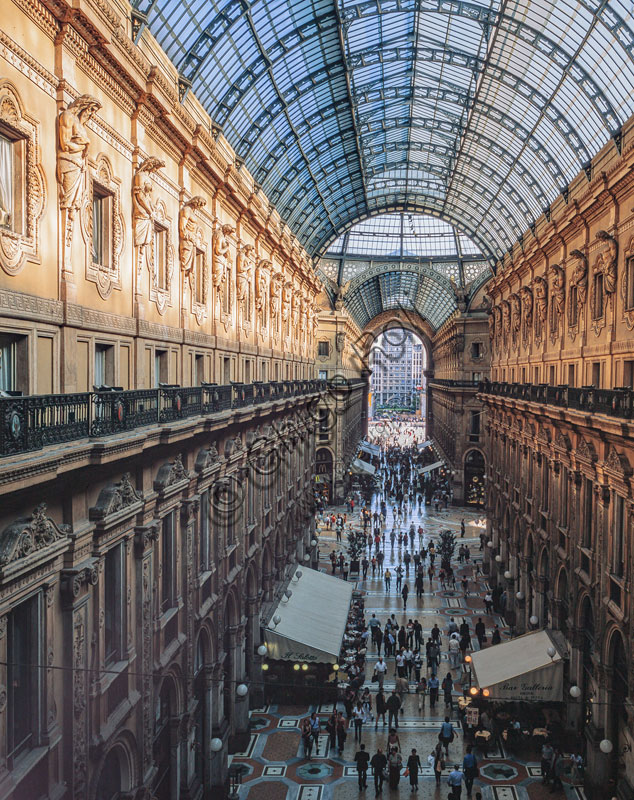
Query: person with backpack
(446, 735)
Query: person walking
(362, 759)
(433, 685)
(421, 691)
(546, 761)
(394, 763)
(315, 729)
(378, 639)
(404, 594)
(470, 769)
(307, 737)
(480, 632)
(446, 735)
(455, 782)
(358, 716)
(447, 688)
(488, 603)
(387, 577)
(413, 766)
(557, 770)
(378, 763)
(434, 759)
(393, 706)
(381, 708)
(496, 637)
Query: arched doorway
(474, 466)
(619, 690)
(166, 710)
(324, 474)
(114, 778)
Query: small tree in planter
(446, 548)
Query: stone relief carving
(526, 295)
(261, 290)
(506, 320)
(607, 262)
(617, 462)
(171, 473)
(72, 153)
(115, 498)
(540, 297)
(245, 264)
(276, 298)
(579, 277)
(190, 234)
(21, 239)
(628, 309)
(558, 289)
(143, 207)
(491, 327)
(27, 536)
(287, 294)
(516, 318)
(160, 294)
(222, 262)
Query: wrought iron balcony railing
(36, 421)
(613, 402)
(454, 384)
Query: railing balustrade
(612, 402)
(32, 422)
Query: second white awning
(521, 669)
(313, 620)
(431, 467)
(362, 467)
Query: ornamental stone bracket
(115, 499)
(26, 541)
(144, 538)
(73, 581)
(171, 477)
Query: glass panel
(6, 182)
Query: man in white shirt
(400, 664)
(380, 668)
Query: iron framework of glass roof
(478, 112)
(404, 261)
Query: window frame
(115, 596)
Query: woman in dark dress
(413, 765)
(394, 763)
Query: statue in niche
(188, 231)
(516, 316)
(72, 151)
(221, 255)
(315, 319)
(527, 304)
(579, 277)
(276, 295)
(491, 326)
(540, 289)
(294, 312)
(287, 295)
(607, 263)
(558, 288)
(303, 315)
(244, 273)
(506, 318)
(143, 209)
(261, 284)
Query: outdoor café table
(482, 739)
(540, 733)
(463, 702)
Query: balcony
(612, 402)
(32, 422)
(454, 384)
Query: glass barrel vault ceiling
(405, 261)
(478, 112)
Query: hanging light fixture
(262, 650)
(216, 745)
(242, 689)
(575, 692)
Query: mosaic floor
(274, 767)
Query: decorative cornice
(27, 536)
(114, 498)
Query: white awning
(430, 467)
(313, 620)
(360, 466)
(424, 445)
(371, 449)
(521, 669)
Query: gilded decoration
(26, 537)
(20, 237)
(72, 157)
(105, 276)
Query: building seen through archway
(230, 234)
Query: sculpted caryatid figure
(287, 295)
(506, 318)
(143, 208)
(541, 298)
(609, 262)
(222, 255)
(188, 230)
(491, 326)
(527, 304)
(72, 149)
(559, 288)
(261, 285)
(579, 277)
(516, 316)
(294, 312)
(276, 295)
(244, 273)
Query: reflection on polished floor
(274, 766)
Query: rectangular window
(629, 282)
(573, 306)
(226, 371)
(563, 498)
(571, 374)
(160, 367)
(168, 562)
(160, 257)
(24, 681)
(263, 372)
(199, 370)
(597, 296)
(101, 218)
(247, 371)
(104, 365)
(596, 374)
(476, 350)
(199, 276)
(552, 375)
(474, 433)
(8, 363)
(323, 348)
(628, 374)
(536, 375)
(114, 580)
(12, 183)
(277, 372)
(618, 535)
